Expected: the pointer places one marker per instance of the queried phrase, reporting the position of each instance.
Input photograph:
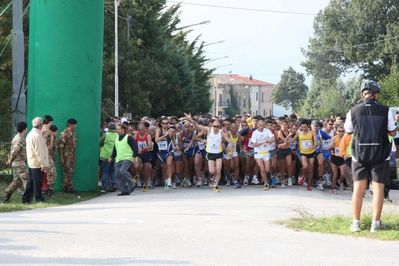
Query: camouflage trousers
(68, 170)
(51, 175)
(19, 179)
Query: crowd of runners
(208, 151)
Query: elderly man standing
(38, 161)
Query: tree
(291, 89)
(354, 35)
(161, 72)
(233, 108)
(390, 88)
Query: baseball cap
(314, 122)
(370, 85)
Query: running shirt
(335, 145)
(306, 143)
(142, 142)
(214, 142)
(259, 136)
(232, 147)
(165, 145)
(176, 143)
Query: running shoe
(188, 183)
(246, 180)
(174, 186)
(301, 180)
(255, 180)
(266, 187)
(290, 181)
(355, 227)
(216, 189)
(228, 182)
(341, 186)
(167, 187)
(375, 227)
(283, 185)
(309, 188)
(236, 184)
(320, 185)
(145, 189)
(334, 191)
(327, 178)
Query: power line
(10, 35)
(246, 8)
(337, 49)
(6, 8)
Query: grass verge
(339, 225)
(58, 199)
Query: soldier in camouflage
(51, 174)
(67, 145)
(17, 161)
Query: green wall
(65, 72)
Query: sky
(261, 44)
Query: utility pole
(116, 60)
(18, 99)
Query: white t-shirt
(258, 136)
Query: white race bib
(307, 144)
(163, 145)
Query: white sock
(376, 223)
(169, 181)
(356, 221)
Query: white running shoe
(355, 227)
(255, 180)
(289, 181)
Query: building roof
(237, 79)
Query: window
(220, 99)
(256, 112)
(257, 96)
(262, 98)
(245, 103)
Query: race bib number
(163, 145)
(201, 145)
(307, 144)
(336, 150)
(326, 144)
(141, 145)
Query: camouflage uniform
(68, 142)
(51, 172)
(19, 168)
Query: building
(253, 96)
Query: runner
(163, 138)
(214, 148)
(261, 140)
(284, 140)
(200, 157)
(337, 162)
(143, 164)
(188, 153)
(177, 156)
(231, 159)
(307, 148)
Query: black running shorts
(376, 172)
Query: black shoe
(7, 198)
(124, 194)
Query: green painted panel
(65, 74)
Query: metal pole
(18, 99)
(116, 61)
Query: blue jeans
(108, 179)
(123, 176)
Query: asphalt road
(188, 227)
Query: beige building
(253, 96)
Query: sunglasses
(216, 126)
(331, 124)
(341, 131)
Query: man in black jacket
(370, 123)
